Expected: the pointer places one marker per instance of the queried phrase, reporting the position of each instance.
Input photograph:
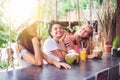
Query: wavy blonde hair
(76, 34)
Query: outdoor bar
(101, 39)
(106, 68)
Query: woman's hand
(93, 55)
(38, 56)
(56, 63)
(62, 64)
(63, 37)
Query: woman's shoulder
(49, 40)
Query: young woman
(80, 39)
(28, 47)
(55, 46)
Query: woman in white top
(55, 46)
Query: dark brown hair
(51, 25)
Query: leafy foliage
(4, 38)
(69, 5)
(43, 32)
(115, 42)
(4, 28)
(3, 64)
(4, 33)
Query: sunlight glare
(22, 9)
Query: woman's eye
(61, 28)
(55, 29)
(83, 29)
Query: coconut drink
(72, 57)
(98, 52)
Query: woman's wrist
(64, 50)
(90, 56)
(61, 41)
(63, 45)
(54, 62)
(66, 44)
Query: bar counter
(83, 71)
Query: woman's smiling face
(84, 32)
(57, 31)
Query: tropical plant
(4, 28)
(3, 64)
(43, 32)
(4, 34)
(115, 42)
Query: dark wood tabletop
(82, 71)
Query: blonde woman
(80, 39)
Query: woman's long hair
(83, 41)
(25, 40)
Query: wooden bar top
(82, 71)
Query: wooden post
(78, 14)
(10, 51)
(118, 20)
(39, 16)
(54, 10)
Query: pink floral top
(72, 44)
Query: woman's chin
(59, 36)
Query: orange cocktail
(83, 55)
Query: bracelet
(66, 44)
(63, 50)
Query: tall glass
(83, 55)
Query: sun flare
(21, 10)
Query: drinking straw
(82, 44)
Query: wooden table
(82, 71)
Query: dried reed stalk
(105, 17)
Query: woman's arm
(51, 46)
(69, 43)
(58, 53)
(56, 63)
(63, 49)
(37, 51)
(62, 45)
(37, 58)
(90, 48)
